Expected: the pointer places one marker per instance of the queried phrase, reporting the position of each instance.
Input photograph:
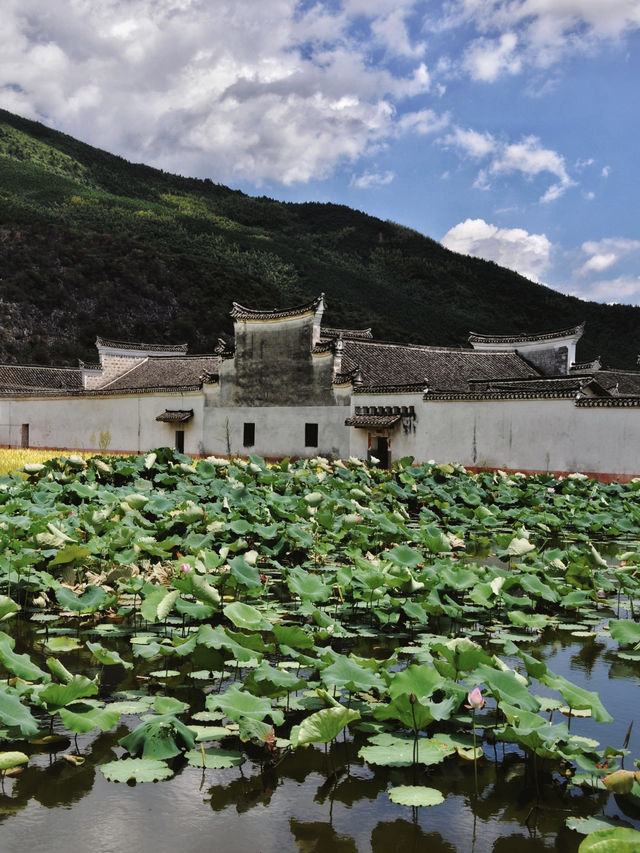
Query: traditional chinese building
(287, 385)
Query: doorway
(381, 451)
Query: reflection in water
(409, 838)
(320, 838)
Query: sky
(505, 129)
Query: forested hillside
(93, 245)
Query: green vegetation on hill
(93, 245)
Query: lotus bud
(475, 699)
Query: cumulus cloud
(236, 89)
(514, 34)
(515, 248)
(527, 157)
(368, 180)
(486, 59)
(605, 253)
(625, 290)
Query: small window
(180, 440)
(311, 435)
(249, 435)
(24, 435)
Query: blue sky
(506, 129)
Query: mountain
(91, 244)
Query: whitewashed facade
(289, 386)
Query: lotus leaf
(214, 759)
(161, 736)
(107, 657)
(323, 726)
(389, 750)
(615, 840)
(237, 704)
(415, 795)
(20, 665)
(56, 696)
(245, 616)
(81, 719)
(14, 715)
(136, 769)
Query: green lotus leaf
(625, 631)
(107, 657)
(245, 616)
(14, 715)
(215, 758)
(12, 759)
(161, 736)
(237, 704)
(63, 644)
(421, 680)
(389, 750)
(414, 713)
(59, 670)
(169, 705)
(323, 726)
(267, 680)
(69, 554)
(616, 840)
(587, 825)
(80, 720)
(136, 769)
(506, 687)
(20, 665)
(307, 586)
(7, 607)
(244, 573)
(346, 673)
(403, 555)
(415, 795)
(204, 734)
(578, 698)
(292, 635)
(92, 599)
(57, 696)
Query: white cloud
(531, 159)
(372, 179)
(605, 253)
(606, 171)
(515, 248)
(486, 59)
(624, 289)
(472, 143)
(231, 90)
(546, 31)
(527, 157)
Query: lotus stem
(475, 757)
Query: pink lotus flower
(186, 568)
(475, 699)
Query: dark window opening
(311, 435)
(180, 440)
(24, 435)
(249, 435)
(382, 452)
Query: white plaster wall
(402, 442)
(279, 430)
(536, 435)
(128, 422)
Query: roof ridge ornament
(241, 312)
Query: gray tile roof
(31, 377)
(136, 345)
(476, 338)
(240, 312)
(438, 368)
(628, 381)
(166, 372)
(360, 334)
(364, 421)
(175, 416)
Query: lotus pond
(316, 656)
